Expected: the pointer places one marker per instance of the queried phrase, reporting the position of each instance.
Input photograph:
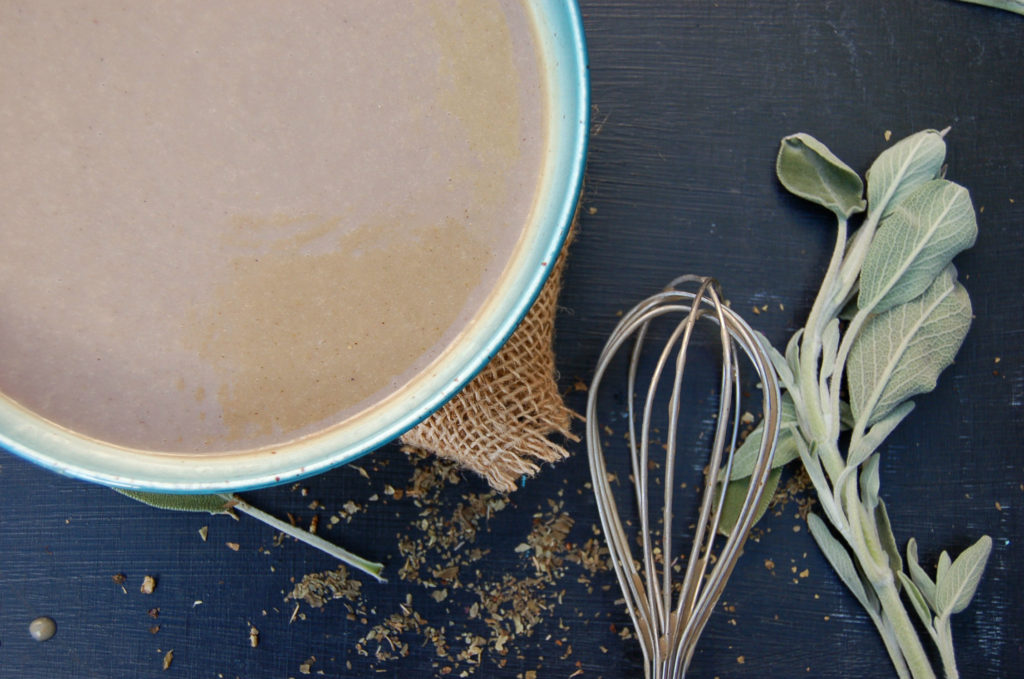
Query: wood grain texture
(690, 101)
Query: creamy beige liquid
(228, 224)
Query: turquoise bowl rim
(563, 45)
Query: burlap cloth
(498, 425)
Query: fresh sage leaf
(813, 466)
(917, 600)
(901, 352)
(745, 456)
(886, 537)
(829, 347)
(845, 416)
(735, 496)
(807, 168)
(793, 352)
(222, 503)
(849, 310)
(866, 543)
(902, 167)
(940, 571)
(869, 483)
(213, 503)
(955, 587)
(779, 362)
(1016, 6)
(867, 444)
(839, 558)
(915, 243)
(924, 583)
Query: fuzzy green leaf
(220, 504)
(888, 540)
(793, 353)
(214, 503)
(845, 416)
(779, 362)
(917, 599)
(940, 571)
(785, 447)
(813, 466)
(869, 443)
(829, 347)
(839, 558)
(1015, 6)
(735, 496)
(901, 352)
(902, 168)
(956, 586)
(915, 243)
(869, 483)
(924, 583)
(807, 168)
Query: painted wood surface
(690, 101)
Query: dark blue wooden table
(690, 101)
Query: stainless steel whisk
(668, 631)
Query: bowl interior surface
(563, 60)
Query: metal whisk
(668, 631)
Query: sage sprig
(888, 319)
(225, 503)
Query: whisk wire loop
(667, 633)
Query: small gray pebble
(42, 629)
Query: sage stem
(358, 562)
(891, 645)
(903, 629)
(944, 642)
(836, 384)
(831, 457)
(810, 346)
(875, 564)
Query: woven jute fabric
(499, 424)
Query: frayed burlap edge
(498, 425)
